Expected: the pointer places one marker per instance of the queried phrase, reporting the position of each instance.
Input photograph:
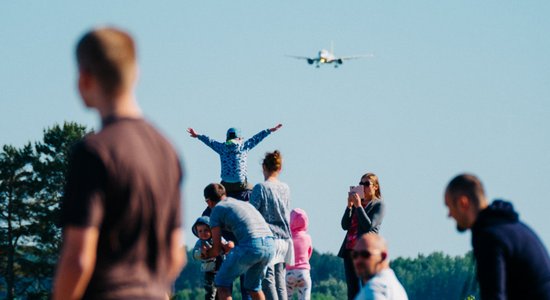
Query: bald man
(370, 259)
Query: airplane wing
(299, 57)
(309, 59)
(355, 56)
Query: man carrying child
(254, 248)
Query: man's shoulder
(129, 132)
(385, 285)
(238, 207)
(500, 232)
(232, 203)
(380, 283)
(226, 204)
(89, 145)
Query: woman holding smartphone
(363, 214)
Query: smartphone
(359, 190)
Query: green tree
(437, 276)
(15, 219)
(333, 289)
(50, 169)
(327, 266)
(31, 185)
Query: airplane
(327, 57)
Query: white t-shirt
(383, 286)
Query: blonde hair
(374, 180)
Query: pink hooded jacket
(302, 241)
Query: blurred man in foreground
(121, 209)
(512, 263)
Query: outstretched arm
(256, 139)
(214, 145)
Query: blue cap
(233, 133)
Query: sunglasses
(363, 254)
(366, 183)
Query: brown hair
(374, 180)
(214, 192)
(273, 161)
(109, 55)
(466, 185)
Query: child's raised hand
(192, 132)
(276, 128)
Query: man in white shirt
(370, 258)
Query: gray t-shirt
(272, 199)
(240, 218)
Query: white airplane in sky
(327, 57)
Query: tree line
(32, 178)
(426, 277)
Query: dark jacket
(512, 263)
(369, 219)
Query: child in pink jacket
(297, 276)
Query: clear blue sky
(455, 86)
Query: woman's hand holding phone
(356, 200)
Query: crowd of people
(122, 227)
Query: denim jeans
(249, 257)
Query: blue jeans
(250, 258)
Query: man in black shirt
(512, 262)
(121, 209)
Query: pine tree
(31, 186)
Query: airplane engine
(310, 61)
(340, 61)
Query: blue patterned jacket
(234, 155)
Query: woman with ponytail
(272, 199)
(363, 214)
